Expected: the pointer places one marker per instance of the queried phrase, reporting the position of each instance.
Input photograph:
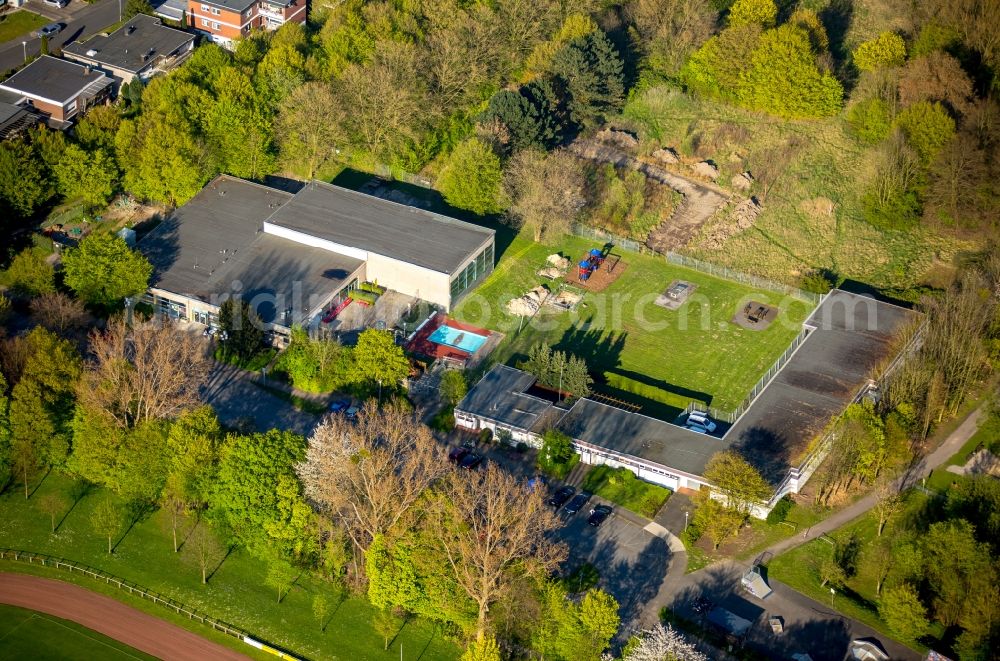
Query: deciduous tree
(738, 481)
(378, 359)
(308, 127)
(203, 550)
(241, 332)
(453, 387)
(492, 530)
(58, 312)
(147, 371)
(901, 610)
(371, 474)
(23, 185)
(31, 274)
(471, 178)
(52, 504)
(91, 176)
(928, 128)
(104, 271)
(747, 12)
(107, 520)
(885, 50)
(545, 192)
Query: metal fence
(715, 270)
(32, 558)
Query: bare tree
(151, 371)
(203, 550)
(59, 312)
(492, 530)
(370, 474)
(52, 504)
(106, 519)
(309, 126)
(669, 30)
(545, 192)
(957, 180)
(936, 77)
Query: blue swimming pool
(457, 338)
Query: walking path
(952, 444)
(112, 618)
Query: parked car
(471, 461)
(561, 496)
(351, 413)
(576, 504)
(340, 406)
(56, 3)
(700, 422)
(457, 454)
(49, 30)
(599, 515)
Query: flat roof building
(847, 337)
(293, 255)
(59, 89)
(140, 48)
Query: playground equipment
(592, 262)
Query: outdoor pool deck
(444, 338)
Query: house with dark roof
(141, 48)
(294, 255)
(781, 432)
(16, 115)
(58, 89)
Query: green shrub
(372, 287)
(443, 420)
(485, 436)
(819, 281)
(362, 296)
(870, 120)
(471, 178)
(780, 511)
(747, 12)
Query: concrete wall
(410, 280)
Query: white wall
(314, 242)
(409, 279)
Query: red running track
(112, 618)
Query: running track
(112, 618)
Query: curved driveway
(112, 618)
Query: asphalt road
(80, 20)
(112, 618)
(236, 399)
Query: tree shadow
(767, 450)
(35, 488)
(229, 549)
(427, 645)
(135, 512)
(78, 492)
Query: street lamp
(685, 520)
(119, 11)
(24, 45)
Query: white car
(56, 3)
(700, 422)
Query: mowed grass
(640, 352)
(18, 23)
(799, 568)
(236, 593)
(812, 213)
(625, 489)
(26, 634)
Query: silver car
(49, 30)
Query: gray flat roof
(215, 240)
(640, 436)
(500, 396)
(51, 78)
(133, 46)
(852, 335)
(386, 228)
(9, 111)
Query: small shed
(729, 622)
(754, 583)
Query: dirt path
(700, 202)
(112, 618)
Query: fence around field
(726, 273)
(45, 560)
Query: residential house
(225, 21)
(139, 49)
(58, 89)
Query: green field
(623, 488)
(25, 634)
(19, 23)
(657, 358)
(236, 593)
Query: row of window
(477, 269)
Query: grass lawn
(799, 569)
(17, 23)
(623, 488)
(812, 215)
(25, 634)
(639, 352)
(236, 593)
